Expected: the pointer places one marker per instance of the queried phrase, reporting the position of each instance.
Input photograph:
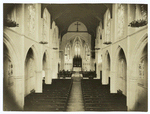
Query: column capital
(47, 69)
(17, 77)
(133, 78)
(40, 71)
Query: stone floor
(76, 101)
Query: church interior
(75, 57)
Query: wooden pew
(97, 97)
(54, 97)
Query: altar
(77, 69)
(77, 74)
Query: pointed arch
(107, 26)
(77, 25)
(121, 69)
(45, 25)
(77, 43)
(98, 32)
(68, 51)
(140, 74)
(45, 67)
(30, 76)
(77, 38)
(14, 53)
(55, 36)
(107, 67)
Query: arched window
(54, 40)
(31, 18)
(67, 52)
(143, 9)
(87, 53)
(77, 49)
(12, 15)
(122, 68)
(120, 19)
(107, 27)
(97, 37)
(100, 30)
(7, 67)
(143, 67)
(45, 27)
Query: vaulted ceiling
(65, 14)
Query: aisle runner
(75, 101)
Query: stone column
(97, 71)
(39, 82)
(19, 91)
(113, 82)
(105, 78)
(131, 94)
(48, 78)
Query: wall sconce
(107, 43)
(55, 48)
(97, 48)
(43, 42)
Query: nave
(89, 56)
(76, 94)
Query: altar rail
(64, 74)
(88, 74)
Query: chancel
(75, 57)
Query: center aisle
(75, 102)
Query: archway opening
(44, 67)
(8, 82)
(10, 97)
(7, 67)
(30, 76)
(142, 81)
(107, 68)
(122, 72)
(58, 67)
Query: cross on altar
(77, 25)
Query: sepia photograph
(75, 57)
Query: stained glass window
(44, 25)
(10, 73)
(31, 18)
(12, 15)
(121, 19)
(67, 52)
(144, 12)
(141, 69)
(107, 30)
(123, 68)
(87, 53)
(77, 49)
(54, 39)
